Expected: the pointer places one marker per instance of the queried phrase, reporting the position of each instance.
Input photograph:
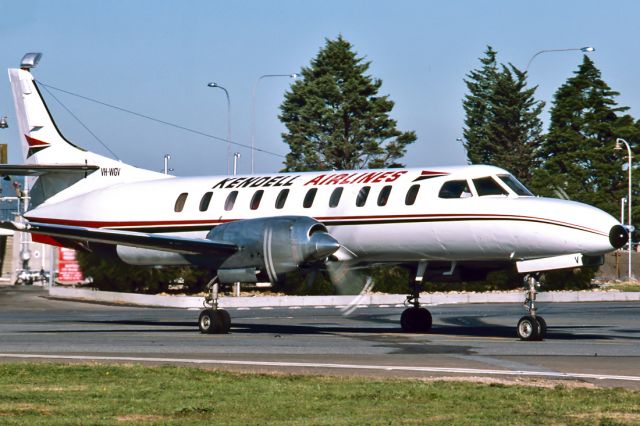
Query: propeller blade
(346, 279)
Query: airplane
(443, 223)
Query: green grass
(628, 286)
(123, 394)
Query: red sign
(68, 267)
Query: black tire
(212, 321)
(543, 327)
(416, 320)
(529, 328)
(226, 320)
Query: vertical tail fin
(44, 146)
(41, 141)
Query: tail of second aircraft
(63, 169)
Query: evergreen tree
(478, 109)
(335, 118)
(577, 156)
(515, 129)
(502, 121)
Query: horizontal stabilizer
(43, 169)
(127, 238)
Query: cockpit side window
(488, 186)
(455, 189)
(515, 185)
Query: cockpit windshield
(515, 185)
(487, 186)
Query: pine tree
(577, 156)
(478, 109)
(515, 129)
(335, 118)
(502, 121)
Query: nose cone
(618, 236)
(323, 245)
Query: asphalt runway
(587, 343)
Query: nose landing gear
(531, 326)
(416, 319)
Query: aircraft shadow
(477, 328)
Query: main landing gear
(213, 320)
(531, 326)
(416, 319)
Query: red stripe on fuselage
(346, 219)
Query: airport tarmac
(594, 343)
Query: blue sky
(156, 57)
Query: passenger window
(231, 200)
(335, 197)
(488, 186)
(412, 194)
(308, 199)
(204, 202)
(282, 198)
(182, 198)
(362, 196)
(455, 189)
(383, 197)
(255, 200)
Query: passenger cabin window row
(309, 198)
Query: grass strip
(61, 394)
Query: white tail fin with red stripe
(61, 165)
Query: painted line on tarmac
(424, 369)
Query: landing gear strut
(416, 319)
(213, 320)
(531, 326)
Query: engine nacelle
(273, 245)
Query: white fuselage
(435, 226)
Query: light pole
(166, 168)
(618, 147)
(236, 156)
(213, 84)
(253, 113)
(586, 49)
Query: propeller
(344, 273)
(349, 280)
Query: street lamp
(3, 123)
(166, 168)
(618, 147)
(253, 113)
(586, 49)
(213, 84)
(236, 157)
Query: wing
(42, 169)
(127, 238)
